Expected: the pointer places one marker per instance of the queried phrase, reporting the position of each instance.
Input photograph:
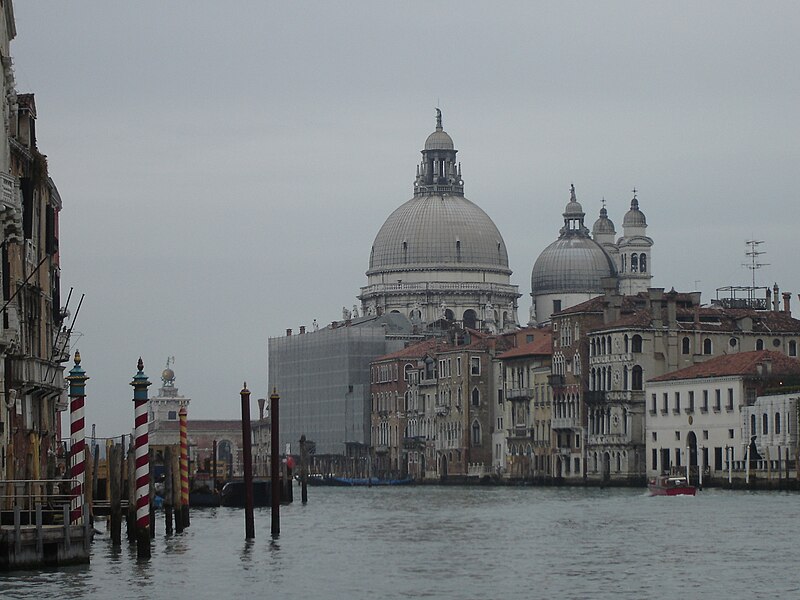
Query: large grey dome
(431, 231)
(571, 264)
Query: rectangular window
(458, 366)
(718, 459)
(730, 433)
(556, 306)
(677, 408)
(677, 457)
(705, 434)
(729, 405)
(577, 440)
(691, 401)
(655, 436)
(664, 403)
(654, 458)
(500, 396)
(475, 365)
(704, 406)
(717, 400)
(653, 404)
(677, 435)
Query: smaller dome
(573, 208)
(168, 374)
(603, 224)
(439, 140)
(634, 217)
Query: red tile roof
(542, 345)
(742, 364)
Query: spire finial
(438, 119)
(634, 192)
(77, 357)
(604, 201)
(140, 364)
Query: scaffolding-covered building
(323, 379)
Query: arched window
(624, 261)
(634, 263)
(626, 343)
(707, 346)
(643, 263)
(625, 377)
(636, 343)
(759, 344)
(685, 345)
(636, 383)
(765, 424)
(470, 318)
(476, 397)
(792, 348)
(777, 423)
(752, 425)
(476, 433)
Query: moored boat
(670, 485)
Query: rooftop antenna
(753, 252)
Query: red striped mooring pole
(184, 468)
(140, 384)
(77, 396)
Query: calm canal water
(455, 542)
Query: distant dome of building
(603, 224)
(439, 257)
(571, 264)
(438, 230)
(439, 140)
(574, 263)
(438, 227)
(634, 217)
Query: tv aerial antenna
(753, 252)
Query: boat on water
(670, 485)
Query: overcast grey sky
(225, 166)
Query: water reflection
(457, 543)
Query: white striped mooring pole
(142, 458)
(77, 396)
(184, 465)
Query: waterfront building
(33, 342)
(323, 378)
(433, 408)
(439, 255)
(605, 349)
(710, 413)
(398, 421)
(771, 423)
(579, 266)
(163, 410)
(523, 426)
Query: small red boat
(667, 485)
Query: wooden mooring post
(275, 463)
(115, 492)
(303, 469)
(247, 458)
(168, 494)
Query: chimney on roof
(288, 332)
(672, 311)
(302, 329)
(787, 298)
(775, 299)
